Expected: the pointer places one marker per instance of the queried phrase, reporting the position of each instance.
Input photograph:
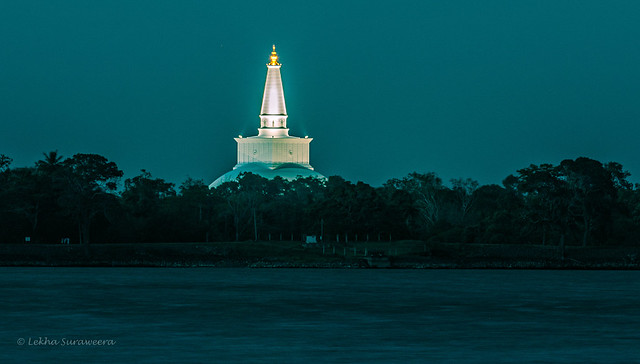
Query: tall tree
(545, 193)
(255, 189)
(195, 206)
(143, 198)
(592, 193)
(52, 161)
(89, 186)
(242, 199)
(427, 193)
(4, 162)
(24, 195)
(464, 192)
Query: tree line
(580, 202)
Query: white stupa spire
(273, 114)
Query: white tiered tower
(273, 152)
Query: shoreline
(364, 255)
(534, 266)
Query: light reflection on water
(290, 315)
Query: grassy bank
(398, 254)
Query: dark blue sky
(462, 88)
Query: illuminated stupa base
(285, 171)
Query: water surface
(158, 315)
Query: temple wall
(273, 151)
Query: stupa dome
(288, 171)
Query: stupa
(273, 152)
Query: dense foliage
(578, 202)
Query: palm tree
(4, 162)
(51, 161)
